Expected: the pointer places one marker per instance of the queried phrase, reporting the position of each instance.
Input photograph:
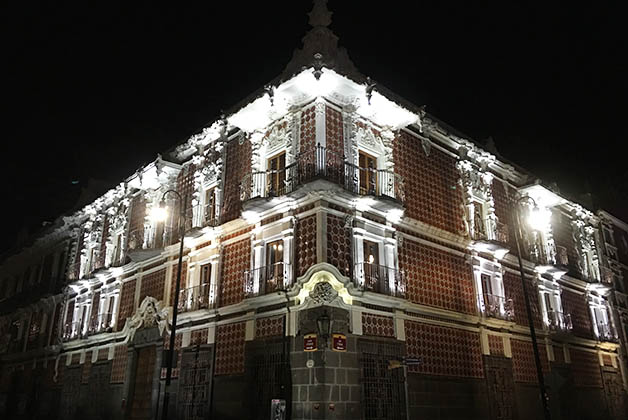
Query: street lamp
(159, 214)
(538, 220)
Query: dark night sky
(94, 92)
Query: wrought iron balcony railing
(73, 330)
(267, 279)
(102, 323)
(194, 298)
(320, 163)
(490, 230)
(606, 332)
(498, 307)
(558, 321)
(380, 279)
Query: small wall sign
(339, 342)
(310, 342)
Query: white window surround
(195, 273)
(601, 317)
(492, 269)
(109, 297)
(550, 291)
(258, 256)
(114, 248)
(387, 248)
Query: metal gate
(269, 369)
(195, 383)
(383, 389)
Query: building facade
(344, 251)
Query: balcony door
(274, 266)
(372, 274)
(368, 174)
(210, 206)
(277, 174)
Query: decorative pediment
(151, 313)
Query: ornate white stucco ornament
(323, 293)
(151, 313)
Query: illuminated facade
(326, 205)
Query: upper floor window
(367, 165)
(276, 174)
(490, 287)
(552, 308)
(209, 206)
(602, 323)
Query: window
(206, 274)
(274, 264)
(489, 284)
(552, 308)
(602, 323)
(368, 174)
(277, 174)
(209, 210)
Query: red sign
(339, 342)
(309, 342)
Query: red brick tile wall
(103, 244)
(153, 285)
(127, 302)
(237, 165)
(185, 187)
(178, 341)
(173, 280)
(118, 365)
(523, 366)
(431, 184)
(444, 351)
(308, 130)
(305, 244)
(136, 222)
(576, 305)
(86, 368)
(334, 131)
(95, 304)
(381, 326)
(514, 290)
(585, 366)
(230, 349)
(198, 337)
(437, 278)
(339, 245)
(236, 258)
(559, 355)
(269, 327)
(496, 345)
(608, 361)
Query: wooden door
(141, 405)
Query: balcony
(606, 332)
(559, 322)
(490, 236)
(264, 280)
(380, 279)
(498, 307)
(103, 323)
(72, 331)
(549, 258)
(194, 298)
(319, 163)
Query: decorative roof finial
(320, 15)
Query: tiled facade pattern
(238, 163)
(504, 197)
(185, 187)
(199, 337)
(153, 285)
(559, 355)
(443, 350)
(95, 303)
(607, 359)
(103, 243)
(496, 345)
(437, 278)
(86, 368)
(127, 302)
(586, 368)
(523, 366)
(576, 305)
(339, 245)
(305, 244)
(173, 279)
(381, 326)
(178, 343)
(431, 184)
(230, 349)
(514, 290)
(269, 327)
(119, 364)
(334, 131)
(236, 259)
(307, 136)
